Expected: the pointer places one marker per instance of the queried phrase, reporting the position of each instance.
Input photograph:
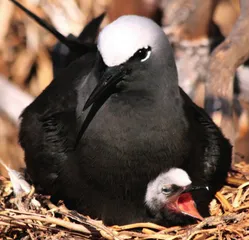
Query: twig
(148, 231)
(103, 229)
(139, 225)
(233, 231)
(98, 225)
(171, 229)
(237, 199)
(53, 220)
(235, 181)
(242, 208)
(226, 205)
(29, 197)
(244, 185)
(200, 231)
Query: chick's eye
(143, 54)
(166, 189)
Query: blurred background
(195, 28)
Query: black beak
(177, 190)
(192, 188)
(107, 84)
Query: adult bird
(113, 121)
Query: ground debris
(48, 221)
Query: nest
(33, 216)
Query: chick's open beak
(182, 201)
(187, 206)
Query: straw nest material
(34, 217)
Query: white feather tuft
(19, 184)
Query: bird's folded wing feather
(217, 149)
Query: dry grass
(34, 216)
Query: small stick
(30, 234)
(102, 228)
(31, 193)
(105, 235)
(171, 229)
(235, 181)
(69, 225)
(237, 199)
(29, 197)
(211, 238)
(164, 237)
(51, 206)
(200, 231)
(227, 228)
(226, 205)
(244, 185)
(130, 234)
(241, 208)
(139, 225)
(148, 231)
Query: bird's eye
(143, 54)
(166, 189)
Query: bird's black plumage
(139, 126)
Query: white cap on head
(119, 40)
(175, 176)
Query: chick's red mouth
(185, 204)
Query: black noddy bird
(113, 121)
(71, 47)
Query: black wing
(216, 151)
(210, 155)
(48, 126)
